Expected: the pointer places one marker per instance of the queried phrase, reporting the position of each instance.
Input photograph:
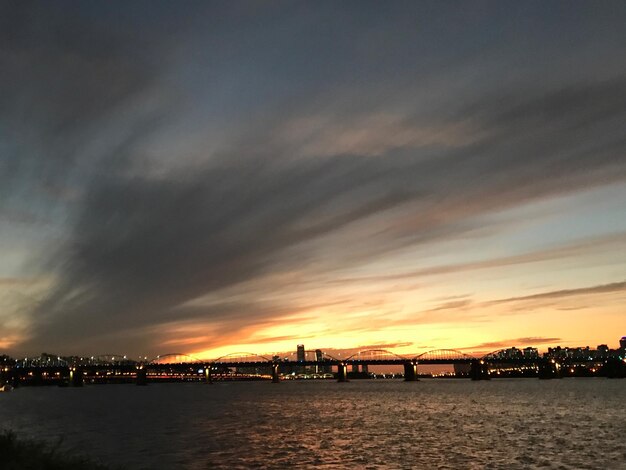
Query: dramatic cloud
(602, 289)
(203, 178)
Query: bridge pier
(410, 371)
(207, 374)
(275, 376)
(141, 377)
(615, 369)
(14, 378)
(479, 370)
(37, 377)
(342, 372)
(9, 376)
(549, 369)
(76, 377)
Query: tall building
(319, 355)
(530, 353)
(622, 342)
(301, 357)
(323, 366)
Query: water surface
(499, 424)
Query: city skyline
(301, 352)
(252, 176)
(511, 362)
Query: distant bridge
(367, 356)
(181, 366)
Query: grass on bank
(24, 454)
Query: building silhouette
(301, 357)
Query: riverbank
(24, 454)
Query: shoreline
(20, 453)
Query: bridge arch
(174, 358)
(512, 353)
(42, 361)
(498, 354)
(240, 357)
(375, 355)
(443, 355)
(108, 359)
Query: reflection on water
(519, 423)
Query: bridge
(117, 368)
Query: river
(438, 423)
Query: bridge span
(109, 368)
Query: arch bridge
(174, 358)
(444, 356)
(509, 355)
(106, 360)
(376, 356)
(43, 361)
(182, 366)
(242, 358)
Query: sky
(211, 177)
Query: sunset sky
(210, 177)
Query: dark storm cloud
(141, 245)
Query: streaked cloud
(507, 343)
(601, 289)
(187, 182)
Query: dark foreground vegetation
(23, 454)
